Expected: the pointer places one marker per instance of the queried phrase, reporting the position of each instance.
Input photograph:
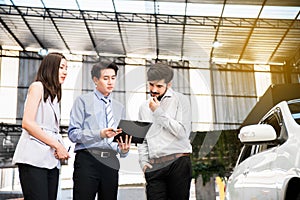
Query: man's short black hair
(96, 70)
(160, 71)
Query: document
(136, 129)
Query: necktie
(109, 115)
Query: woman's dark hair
(96, 70)
(48, 75)
(160, 71)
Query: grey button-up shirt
(170, 130)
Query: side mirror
(257, 134)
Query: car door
(234, 186)
(258, 178)
(259, 181)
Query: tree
(214, 154)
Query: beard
(159, 97)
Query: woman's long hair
(48, 75)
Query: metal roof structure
(256, 31)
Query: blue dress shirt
(88, 118)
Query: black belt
(103, 153)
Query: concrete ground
(125, 193)
(131, 180)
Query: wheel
(297, 196)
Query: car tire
(293, 192)
(298, 196)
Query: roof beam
(56, 27)
(88, 29)
(283, 37)
(217, 31)
(149, 18)
(12, 34)
(156, 31)
(28, 26)
(183, 30)
(119, 28)
(251, 32)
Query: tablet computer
(136, 129)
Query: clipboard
(136, 129)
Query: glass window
(274, 122)
(294, 107)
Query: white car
(268, 166)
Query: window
(294, 107)
(275, 119)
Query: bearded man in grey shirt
(164, 155)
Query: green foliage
(208, 170)
(214, 153)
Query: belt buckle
(104, 154)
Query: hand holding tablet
(136, 129)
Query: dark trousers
(38, 183)
(171, 182)
(94, 175)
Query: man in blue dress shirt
(93, 124)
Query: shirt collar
(168, 94)
(99, 95)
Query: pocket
(148, 173)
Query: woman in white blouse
(40, 147)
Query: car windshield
(294, 106)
